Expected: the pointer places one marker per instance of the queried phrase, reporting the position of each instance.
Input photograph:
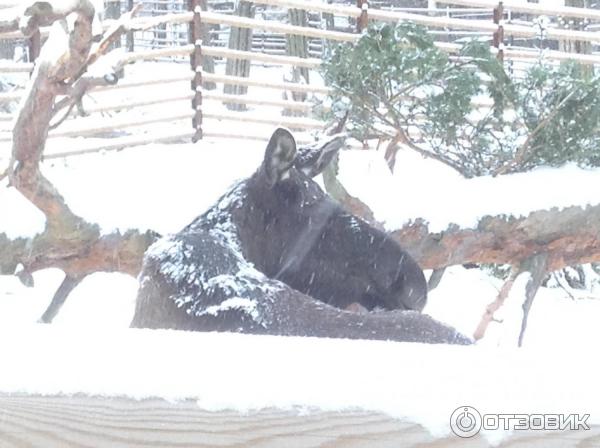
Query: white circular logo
(465, 421)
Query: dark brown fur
(276, 255)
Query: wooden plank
(478, 25)
(113, 144)
(185, 50)
(243, 99)
(126, 84)
(267, 84)
(145, 22)
(300, 139)
(182, 50)
(302, 123)
(550, 55)
(207, 95)
(374, 14)
(395, 16)
(513, 5)
(141, 103)
(261, 57)
(6, 97)
(106, 125)
(110, 125)
(532, 8)
(82, 421)
(7, 66)
(271, 25)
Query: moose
(276, 255)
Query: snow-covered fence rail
(531, 8)
(449, 22)
(393, 16)
(101, 399)
(109, 421)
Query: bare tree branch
(66, 287)
(81, 83)
(488, 315)
(536, 265)
(68, 242)
(335, 188)
(435, 279)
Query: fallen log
(568, 236)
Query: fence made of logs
(513, 28)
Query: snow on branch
(568, 236)
(68, 242)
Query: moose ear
(279, 156)
(313, 159)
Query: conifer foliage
(464, 109)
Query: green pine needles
(464, 110)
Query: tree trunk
(160, 32)
(112, 10)
(239, 39)
(208, 62)
(7, 48)
(577, 46)
(68, 242)
(297, 46)
(130, 36)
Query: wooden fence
(59, 421)
(143, 111)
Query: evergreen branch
(525, 150)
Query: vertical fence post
(363, 20)
(196, 66)
(498, 37)
(130, 37)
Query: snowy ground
(164, 186)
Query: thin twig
(562, 286)
(488, 315)
(523, 150)
(68, 284)
(53, 126)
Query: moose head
(277, 255)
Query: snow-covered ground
(163, 187)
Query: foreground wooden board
(35, 421)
